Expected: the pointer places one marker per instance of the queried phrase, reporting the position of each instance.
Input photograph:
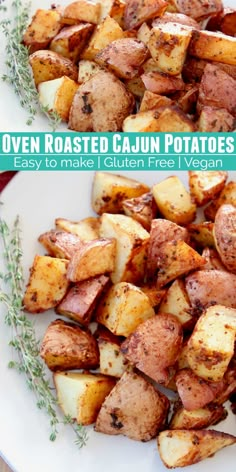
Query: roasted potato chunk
(86, 70)
(142, 209)
(47, 284)
(180, 448)
(154, 346)
(173, 201)
(211, 345)
(71, 40)
(138, 11)
(213, 261)
(66, 346)
(92, 258)
(123, 308)
(91, 108)
(45, 25)
(110, 190)
(133, 408)
(213, 46)
(109, 30)
(206, 185)
(112, 361)
(57, 95)
(131, 247)
(86, 229)
(201, 234)
(224, 234)
(211, 287)
(161, 83)
(198, 9)
(197, 419)
(80, 301)
(123, 57)
(227, 196)
(82, 11)
(59, 243)
(176, 302)
(152, 101)
(81, 396)
(215, 120)
(48, 65)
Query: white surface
(13, 117)
(39, 198)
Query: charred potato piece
(47, 284)
(81, 396)
(66, 346)
(139, 11)
(227, 196)
(133, 408)
(173, 201)
(45, 25)
(48, 65)
(211, 345)
(59, 243)
(131, 247)
(170, 59)
(142, 209)
(71, 40)
(211, 287)
(123, 308)
(110, 190)
(123, 57)
(154, 346)
(80, 301)
(57, 95)
(180, 448)
(224, 234)
(92, 258)
(199, 418)
(206, 185)
(100, 104)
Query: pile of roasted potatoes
(161, 289)
(136, 65)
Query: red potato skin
(161, 83)
(138, 11)
(195, 392)
(224, 234)
(154, 346)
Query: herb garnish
(24, 339)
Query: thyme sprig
(18, 72)
(24, 340)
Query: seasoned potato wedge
(109, 30)
(162, 231)
(91, 110)
(224, 235)
(214, 46)
(81, 396)
(71, 40)
(57, 95)
(198, 419)
(131, 246)
(123, 308)
(171, 119)
(170, 59)
(195, 392)
(197, 9)
(138, 11)
(175, 259)
(92, 258)
(180, 18)
(227, 196)
(211, 287)
(123, 57)
(177, 303)
(180, 448)
(112, 361)
(86, 70)
(154, 346)
(82, 11)
(161, 83)
(152, 101)
(59, 243)
(81, 299)
(133, 408)
(206, 185)
(86, 229)
(173, 201)
(202, 234)
(66, 346)
(110, 190)
(49, 65)
(142, 209)
(215, 120)
(45, 25)
(213, 261)
(47, 284)
(211, 345)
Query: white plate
(13, 117)
(39, 198)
